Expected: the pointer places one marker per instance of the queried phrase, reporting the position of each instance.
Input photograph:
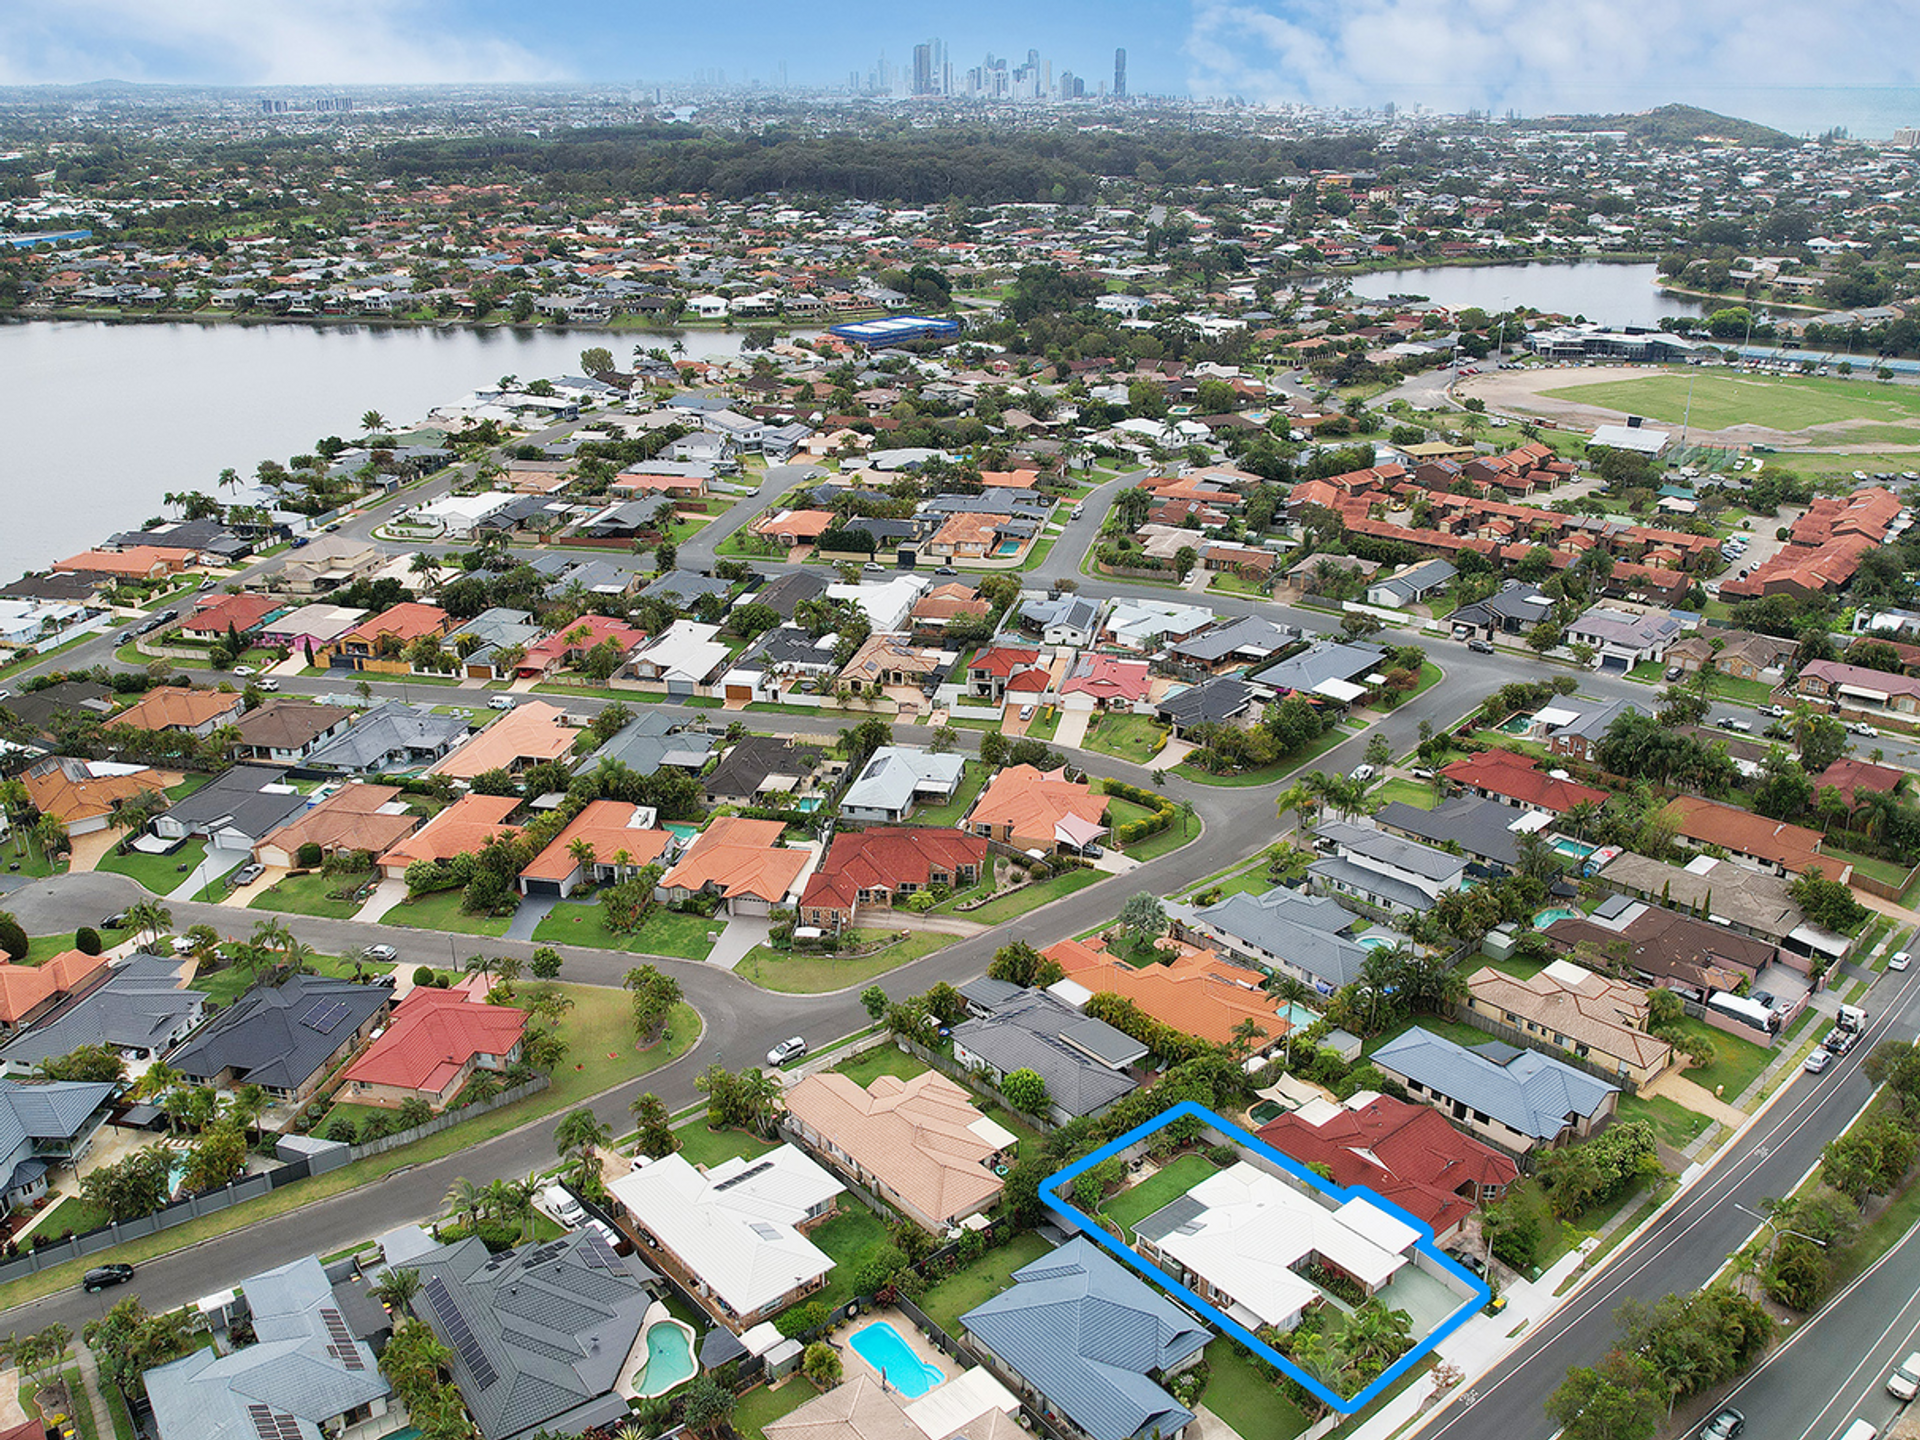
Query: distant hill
(1674, 125)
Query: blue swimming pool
(1548, 917)
(1572, 849)
(807, 804)
(1376, 942)
(880, 1345)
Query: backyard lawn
(1407, 792)
(760, 1406)
(226, 985)
(849, 1235)
(971, 780)
(162, 874)
(1736, 1062)
(975, 1284)
(1158, 1190)
(664, 932)
(771, 969)
(1457, 1031)
(702, 1146)
(441, 911)
(864, 1069)
(1241, 1394)
(1676, 1125)
(1126, 737)
(312, 894)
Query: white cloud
(256, 42)
(1562, 54)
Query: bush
(801, 1319)
(13, 939)
(423, 975)
(87, 940)
(309, 856)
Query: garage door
(739, 692)
(1614, 662)
(680, 689)
(748, 905)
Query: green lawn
(947, 815)
(1045, 725)
(1454, 1030)
(664, 932)
(1243, 1394)
(1227, 583)
(1513, 965)
(1672, 1122)
(42, 948)
(973, 1285)
(1268, 774)
(1407, 792)
(1157, 1191)
(816, 974)
(1126, 737)
(760, 1406)
(1736, 1062)
(227, 985)
(1884, 871)
(1032, 897)
(599, 1025)
(864, 1069)
(312, 894)
(441, 911)
(161, 874)
(30, 860)
(1164, 841)
(702, 1146)
(849, 1235)
(74, 1214)
(1779, 402)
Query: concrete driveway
(743, 932)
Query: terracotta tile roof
(408, 620)
(1405, 1153)
(348, 819)
(921, 1138)
(885, 857)
(801, 524)
(69, 790)
(432, 1036)
(1031, 802)
(1519, 777)
(739, 857)
(22, 987)
(135, 560)
(1002, 660)
(242, 612)
(1106, 678)
(532, 731)
(1198, 994)
(1604, 1014)
(460, 829)
(1851, 777)
(1793, 847)
(607, 826)
(171, 707)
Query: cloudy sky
(1764, 58)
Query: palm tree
(580, 1136)
(373, 421)
(397, 1288)
(580, 848)
(150, 918)
(159, 1079)
(465, 1198)
(51, 836)
(249, 1103)
(1581, 815)
(1303, 799)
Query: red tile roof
(887, 856)
(433, 1034)
(1519, 777)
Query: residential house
(1218, 700)
(136, 562)
(650, 741)
(1084, 1061)
(141, 1010)
(235, 810)
(29, 992)
(735, 1231)
(379, 643)
(1512, 610)
(1518, 1100)
(1742, 654)
(1091, 1344)
(221, 616)
(1853, 780)
(570, 645)
(43, 1125)
(1340, 671)
(355, 817)
(1515, 779)
(311, 630)
(530, 733)
(285, 1038)
(1406, 1154)
(1565, 1007)
(1736, 897)
(1752, 839)
(1575, 726)
(1282, 931)
(286, 730)
(1486, 832)
(864, 1407)
(1193, 990)
(540, 1335)
(84, 795)
(1621, 638)
(1663, 947)
(463, 828)
(897, 779)
(1149, 626)
(684, 657)
(79, 699)
(887, 604)
(741, 861)
(1857, 688)
(391, 738)
(328, 563)
(311, 1369)
(788, 528)
(1034, 809)
(1108, 682)
(918, 1145)
(1383, 872)
(1064, 619)
(607, 840)
(684, 589)
(992, 671)
(885, 863)
(1413, 586)
(759, 769)
(174, 707)
(1245, 1239)
(432, 1046)
(1230, 645)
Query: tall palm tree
(160, 1078)
(397, 1288)
(149, 918)
(373, 421)
(464, 1198)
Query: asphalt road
(1690, 1242)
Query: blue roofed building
(1520, 1100)
(1091, 1343)
(895, 330)
(46, 1125)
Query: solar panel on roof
(289, 1427)
(324, 1016)
(342, 1349)
(459, 1334)
(263, 1422)
(745, 1175)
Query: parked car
(380, 954)
(1728, 1423)
(269, 684)
(786, 1052)
(244, 670)
(1901, 959)
(946, 570)
(115, 921)
(1674, 672)
(873, 569)
(502, 702)
(1904, 1383)
(1778, 712)
(1817, 1061)
(247, 874)
(1361, 773)
(101, 1276)
(1860, 727)
(1480, 647)
(562, 1207)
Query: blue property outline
(1094, 1230)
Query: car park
(786, 1052)
(102, 1276)
(1817, 1061)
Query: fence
(1880, 887)
(1500, 1030)
(947, 1065)
(451, 1118)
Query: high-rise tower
(1120, 74)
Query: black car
(115, 921)
(101, 1276)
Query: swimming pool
(1298, 1016)
(669, 1359)
(683, 830)
(1548, 917)
(807, 804)
(880, 1345)
(1572, 849)
(1376, 942)
(1516, 725)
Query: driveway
(216, 863)
(532, 911)
(743, 932)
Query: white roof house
(895, 777)
(887, 604)
(735, 1227)
(1149, 624)
(1241, 1232)
(458, 514)
(686, 651)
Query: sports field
(1890, 413)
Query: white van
(1860, 1430)
(562, 1207)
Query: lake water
(1608, 294)
(103, 420)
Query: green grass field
(1779, 402)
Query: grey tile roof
(239, 799)
(550, 1326)
(1305, 931)
(1211, 702)
(683, 587)
(1361, 880)
(1075, 1056)
(649, 741)
(309, 1365)
(791, 590)
(1086, 1332)
(279, 1035)
(55, 1113)
(1531, 1093)
(395, 734)
(139, 1007)
(1323, 661)
(894, 773)
(1408, 855)
(1477, 826)
(1248, 633)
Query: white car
(1361, 773)
(1860, 728)
(1904, 1383)
(502, 702)
(1901, 959)
(1778, 712)
(243, 670)
(1817, 1061)
(269, 684)
(786, 1052)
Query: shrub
(423, 975)
(13, 939)
(310, 855)
(801, 1319)
(87, 940)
